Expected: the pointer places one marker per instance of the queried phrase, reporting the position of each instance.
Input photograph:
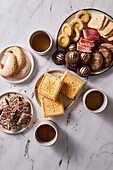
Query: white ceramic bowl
(51, 42)
(104, 102)
(51, 123)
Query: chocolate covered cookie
(71, 66)
(106, 56)
(85, 58)
(72, 57)
(84, 71)
(58, 57)
(96, 61)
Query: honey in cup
(45, 133)
(40, 42)
(94, 100)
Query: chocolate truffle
(58, 57)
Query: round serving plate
(69, 19)
(57, 73)
(28, 55)
(2, 96)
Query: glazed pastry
(72, 57)
(19, 55)
(76, 35)
(24, 70)
(63, 40)
(83, 16)
(58, 57)
(67, 29)
(10, 65)
(106, 55)
(77, 23)
(85, 57)
(96, 61)
(84, 71)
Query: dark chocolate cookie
(72, 57)
(96, 60)
(58, 57)
(85, 57)
(84, 71)
(71, 66)
(106, 56)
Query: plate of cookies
(85, 42)
(56, 90)
(16, 112)
(16, 64)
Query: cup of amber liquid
(41, 42)
(95, 100)
(46, 133)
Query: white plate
(70, 18)
(30, 57)
(2, 96)
(57, 73)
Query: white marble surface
(87, 145)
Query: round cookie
(71, 66)
(24, 70)
(72, 57)
(19, 55)
(84, 71)
(58, 57)
(96, 61)
(10, 65)
(85, 57)
(106, 56)
(71, 47)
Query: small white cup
(51, 123)
(104, 102)
(50, 46)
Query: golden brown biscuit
(107, 30)
(10, 65)
(50, 86)
(19, 55)
(52, 108)
(71, 86)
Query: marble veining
(85, 140)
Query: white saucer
(30, 57)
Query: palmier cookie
(19, 55)
(84, 71)
(58, 57)
(85, 57)
(71, 66)
(67, 29)
(10, 65)
(75, 35)
(72, 57)
(77, 23)
(96, 61)
(63, 40)
(106, 56)
(83, 16)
